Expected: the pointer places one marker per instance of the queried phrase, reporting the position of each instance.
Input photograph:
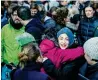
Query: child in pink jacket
(61, 54)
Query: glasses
(15, 15)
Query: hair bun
(23, 57)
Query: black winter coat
(35, 27)
(68, 71)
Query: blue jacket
(91, 72)
(86, 29)
(30, 72)
(49, 23)
(4, 19)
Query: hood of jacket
(46, 45)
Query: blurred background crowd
(49, 40)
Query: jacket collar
(32, 66)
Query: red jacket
(58, 55)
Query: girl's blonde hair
(30, 52)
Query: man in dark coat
(68, 71)
(32, 25)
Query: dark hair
(61, 13)
(13, 7)
(53, 9)
(24, 13)
(75, 18)
(90, 5)
(95, 5)
(34, 6)
(2, 3)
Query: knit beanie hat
(69, 34)
(91, 48)
(25, 38)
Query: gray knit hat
(91, 48)
(69, 34)
(25, 38)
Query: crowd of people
(49, 40)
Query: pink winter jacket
(58, 55)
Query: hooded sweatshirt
(57, 55)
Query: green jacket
(10, 47)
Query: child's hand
(44, 59)
(39, 59)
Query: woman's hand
(41, 59)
